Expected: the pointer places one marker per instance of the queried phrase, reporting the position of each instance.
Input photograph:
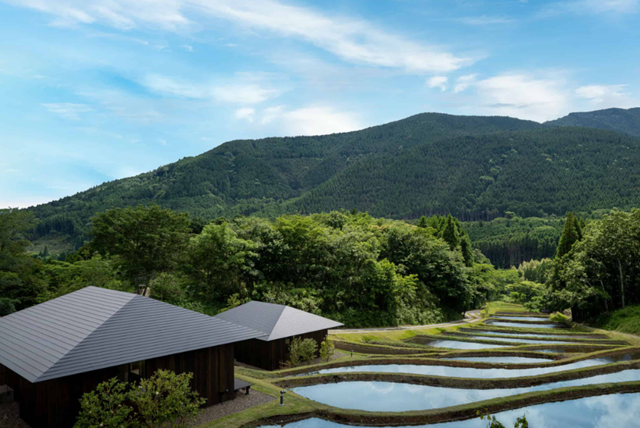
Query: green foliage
(163, 400)
(601, 272)
(327, 349)
(302, 351)
(7, 306)
(626, 320)
(614, 119)
(166, 400)
(144, 241)
(536, 270)
(570, 235)
(19, 279)
(493, 422)
(108, 406)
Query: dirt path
(469, 318)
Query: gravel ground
(9, 416)
(241, 403)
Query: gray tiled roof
(276, 321)
(96, 328)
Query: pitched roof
(96, 328)
(276, 321)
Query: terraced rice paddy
(522, 325)
(455, 344)
(399, 397)
(616, 410)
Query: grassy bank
(625, 320)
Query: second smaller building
(280, 324)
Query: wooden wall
(55, 403)
(3, 375)
(269, 355)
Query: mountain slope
(241, 177)
(473, 167)
(613, 119)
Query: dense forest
(613, 119)
(361, 270)
(476, 168)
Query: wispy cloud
(438, 82)
(354, 40)
(463, 82)
(245, 113)
(524, 96)
(68, 110)
(231, 92)
(604, 96)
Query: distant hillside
(613, 119)
(474, 167)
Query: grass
(56, 243)
(625, 320)
(492, 307)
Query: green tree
(219, 261)
(108, 407)
(143, 241)
(302, 350)
(450, 233)
(19, 273)
(327, 349)
(570, 235)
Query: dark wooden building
(280, 324)
(54, 352)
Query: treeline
(595, 270)
(475, 168)
(350, 266)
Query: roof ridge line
(88, 335)
(284, 307)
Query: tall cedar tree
(450, 234)
(571, 234)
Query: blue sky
(93, 91)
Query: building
(280, 324)
(53, 353)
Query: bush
(163, 400)
(302, 351)
(327, 349)
(7, 307)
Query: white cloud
(238, 93)
(524, 96)
(245, 113)
(354, 40)
(485, 20)
(313, 120)
(602, 96)
(68, 110)
(162, 141)
(187, 48)
(463, 82)
(438, 82)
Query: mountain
(613, 119)
(474, 167)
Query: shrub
(302, 351)
(7, 307)
(163, 400)
(327, 349)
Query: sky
(93, 91)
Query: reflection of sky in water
(398, 397)
(464, 371)
(506, 360)
(608, 411)
(534, 335)
(454, 344)
(507, 339)
(521, 325)
(497, 317)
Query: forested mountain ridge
(626, 121)
(474, 167)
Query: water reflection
(507, 339)
(507, 318)
(607, 411)
(523, 325)
(535, 335)
(464, 371)
(505, 360)
(455, 344)
(397, 397)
